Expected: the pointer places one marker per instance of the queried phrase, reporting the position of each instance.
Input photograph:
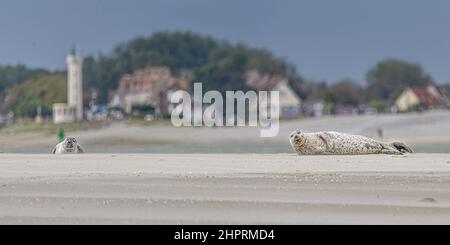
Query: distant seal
(67, 146)
(335, 143)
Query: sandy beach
(159, 174)
(224, 189)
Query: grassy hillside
(44, 90)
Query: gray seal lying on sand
(335, 143)
(68, 145)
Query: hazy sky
(326, 40)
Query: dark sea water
(435, 148)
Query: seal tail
(401, 147)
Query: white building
(75, 83)
(289, 102)
(421, 98)
(73, 110)
(62, 113)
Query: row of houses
(153, 86)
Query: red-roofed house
(429, 97)
(149, 86)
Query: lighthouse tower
(75, 83)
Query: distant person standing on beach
(380, 132)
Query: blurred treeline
(219, 65)
(384, 83)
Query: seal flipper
(80, 149)
(324, 137)
(401, 147)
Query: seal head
(68, 145)
(297, 140)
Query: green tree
(319, 90)
(13, 75)
(346, 92)
(389, 77)
(44, 90)
(218, 64)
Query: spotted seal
(335, 143)
(67, 146)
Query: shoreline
(429, 131)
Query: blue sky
(326, 40)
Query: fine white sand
(224, 189)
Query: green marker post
(61, 135)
